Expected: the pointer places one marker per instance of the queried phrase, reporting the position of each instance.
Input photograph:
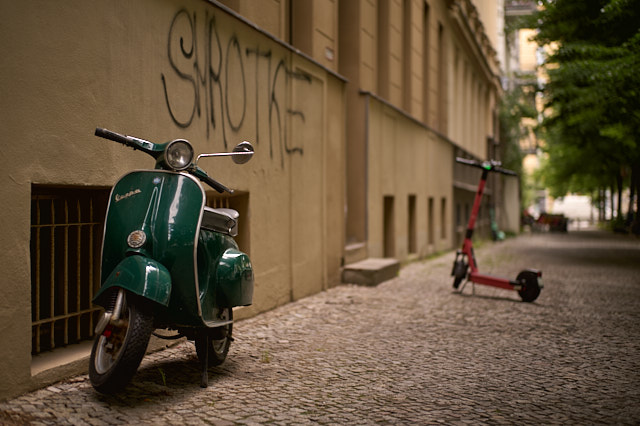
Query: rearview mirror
(242, 152)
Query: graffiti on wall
(215, 78)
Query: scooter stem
(476, 204)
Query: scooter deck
(507, 284)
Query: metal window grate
(66, 235)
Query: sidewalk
(409, 351)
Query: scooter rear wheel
(118, 351)
(531, 289)
(219, 340)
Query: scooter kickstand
(204, 378)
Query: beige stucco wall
(325, 33)
(270, 15)
(433, 64)
(70, 68)
(488, 14)
(405, 158)
(309, 25)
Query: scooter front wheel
(459, 272)
(218, 339)
(118, 351)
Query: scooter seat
(220, 220)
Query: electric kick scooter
(528, 282)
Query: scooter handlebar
(152, 149)
(505, 171)
(203, 176)
(468, 162)
(130, 141)
(216, 185)
(113, 136)
(492, 166)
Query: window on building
(425, 64)
(411, 225)
(406, 55)
(442, 82)
(66, 239)
(383, 48)
(389, 227)
(430, 221)
(443, 218)
(466, 212)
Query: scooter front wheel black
(459, 272)
(531, 289)
(219, 340)
(118, 351)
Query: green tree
(592, 120)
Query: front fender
(139, 275)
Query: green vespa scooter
(168, 262)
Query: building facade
(356, 109)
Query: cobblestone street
(409, 351)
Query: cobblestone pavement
(409, 351)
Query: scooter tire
(118, 351)
(459, 272)
(219, 341)
(531, 289)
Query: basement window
(66, 237)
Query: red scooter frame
(528, 282)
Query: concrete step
(355, 252)
(370, 272)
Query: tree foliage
(592, 125)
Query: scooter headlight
(178, 154)
(136, 239)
